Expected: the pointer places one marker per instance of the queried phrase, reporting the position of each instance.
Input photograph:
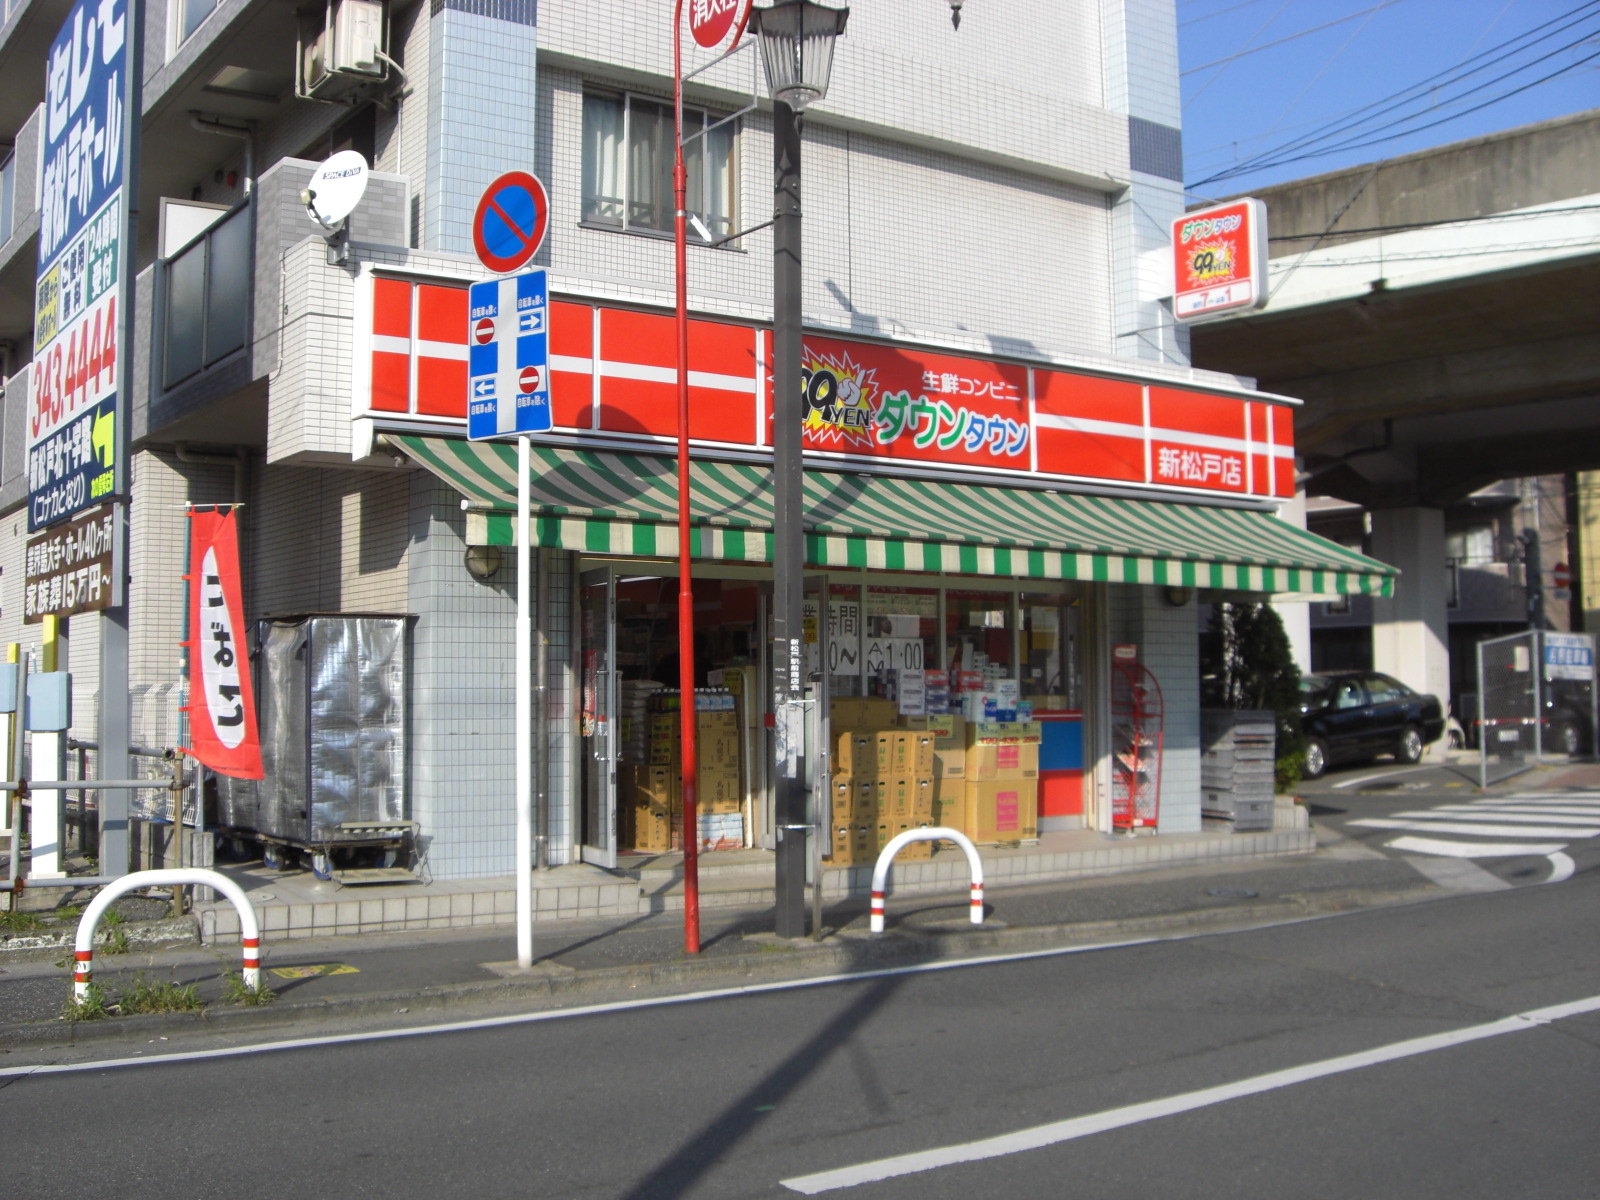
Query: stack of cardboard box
(1001, 797)
(653, 790)
(882, 782)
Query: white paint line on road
(1420, 845)
(1458, 874)
(1485, 830)
(1561, 867)
(1118, 1118)
(589, 1010)
(1516, 816)
(1509, 807)
(1360, 779)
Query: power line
(1291, 37)
(1375, 137)
(1350, 123)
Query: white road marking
(1569, 833)
(1118, 1118)
(1360, 779)
(1499, 806)
(1516, 816)
(1419, 845)
(1561, 867)
(1458, 874)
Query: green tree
(1246, 663)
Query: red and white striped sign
(613, 378)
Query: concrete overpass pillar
(1411, 630)
(1296, 614)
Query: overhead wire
(1360, 139)
(1317, 142)
(1291, 37)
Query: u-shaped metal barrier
(249, 929)
(880, 872)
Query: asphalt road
(732, 1097)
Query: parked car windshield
(1316, 691)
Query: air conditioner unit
(341, 50)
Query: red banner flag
(222, 708)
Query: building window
(1472, 546)
(627, 166)
(8, 183)
(188, 14)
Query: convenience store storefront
(1007, 519)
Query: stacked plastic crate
(1238, 752)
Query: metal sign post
(508, 391)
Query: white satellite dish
(336, 188)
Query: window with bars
(627, 166)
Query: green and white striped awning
(599, 502)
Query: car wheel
(1410, 748)
(1566, 740)
(1316, 758)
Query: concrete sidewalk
(419, 974)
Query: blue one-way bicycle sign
(508, 356)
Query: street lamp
(796, 39)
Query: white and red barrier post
(249, 928)
(880, 872)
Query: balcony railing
(207, 298)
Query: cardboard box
(1003, 750)
(852, 797)
(860, 712)
(895, 795)
(652, 829)
(950, 804)
(922, 800)
(920, 752)
(855, 752)
(950, 764)
(656, 785)
(1001, 811)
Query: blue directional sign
(508, 356)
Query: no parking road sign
(510, 222)
(508, 352)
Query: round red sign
(483, 331)
(710, 20)
(528, 381)
(1561, 575)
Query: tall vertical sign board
(77, 433)
(79, 309)
(508, 356)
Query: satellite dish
(336, 188)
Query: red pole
(687, 715)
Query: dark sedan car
(1350, 715)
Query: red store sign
(614, 377)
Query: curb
(845, 953)
(143, 935)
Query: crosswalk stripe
(1514, 809)
(1470, 814)
(1485, 830)
(1419, 845)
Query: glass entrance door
(597, 723)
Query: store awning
(599, 502)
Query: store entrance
(630, 723)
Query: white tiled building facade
(1002, 189)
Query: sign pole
(524, 683)
(115, 715)
(688, 718)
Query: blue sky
(1271, 88)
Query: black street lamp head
(796, 39)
